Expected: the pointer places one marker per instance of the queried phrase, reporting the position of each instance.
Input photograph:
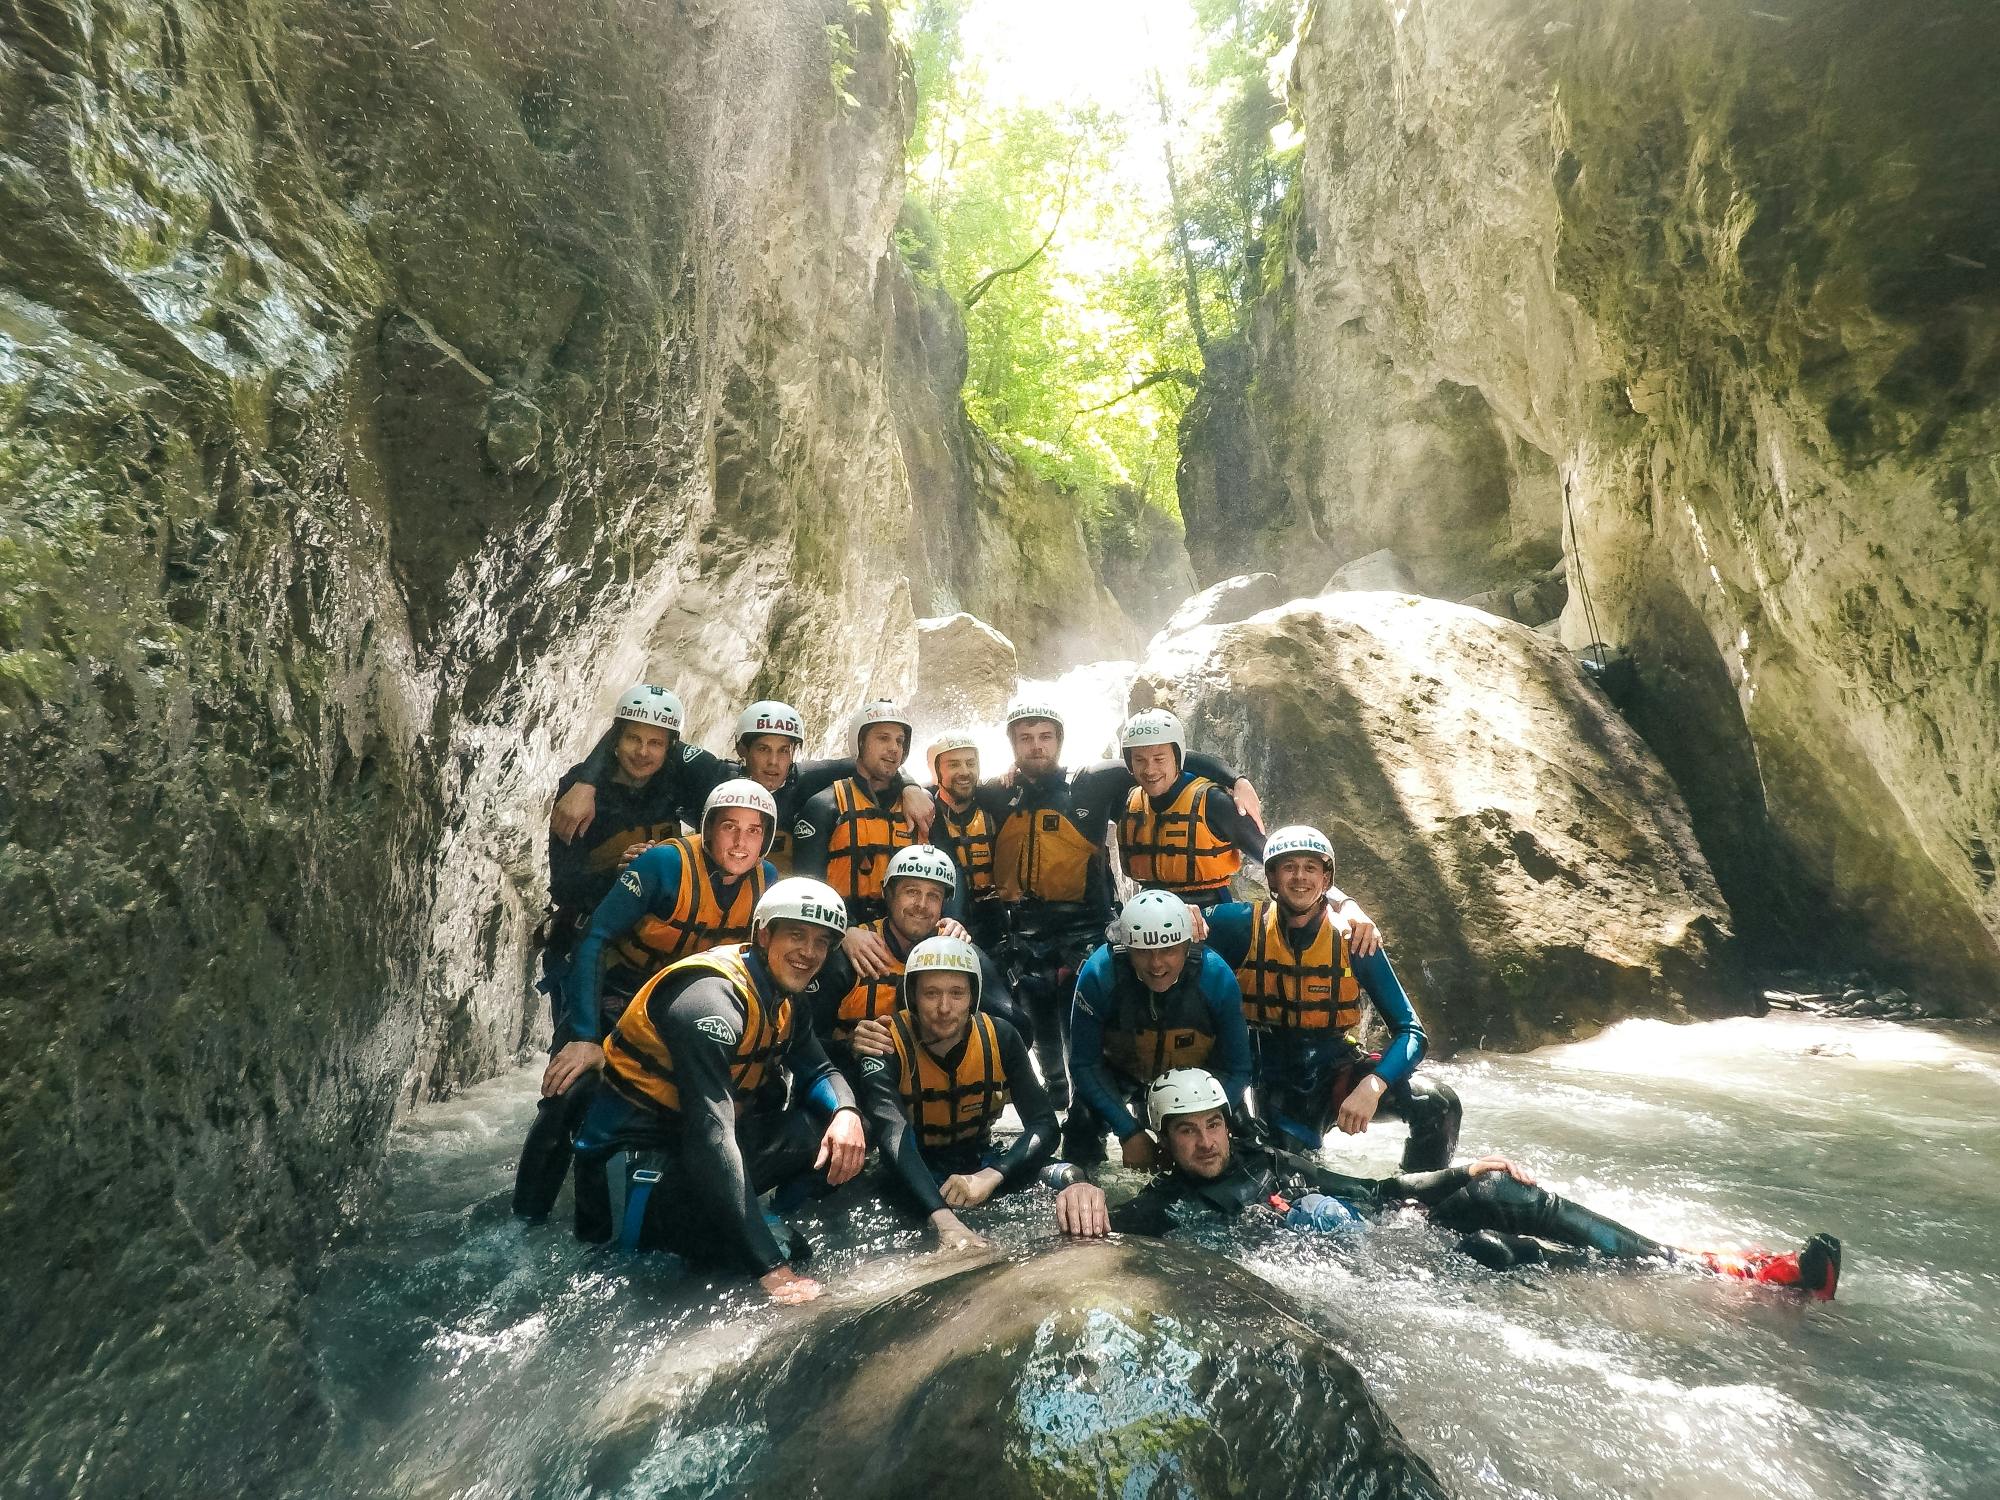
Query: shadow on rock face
(1128, 1368)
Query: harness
(1149, 1034)
(861, 841)
(957, 1106)
(698, 921)
(1291, 991)
(969, 841)
(639, 1065)
(1173, 847)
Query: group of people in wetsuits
(763, 970)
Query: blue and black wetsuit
(1122, 1036)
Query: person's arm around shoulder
(576, 807)
(1241, 792)
(810, 832)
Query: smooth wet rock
(1135, 1368)
(1498, 602)
(966, 672)
(1529, 861)
(1226, 602)
(1380, 569)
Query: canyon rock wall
(1732, 277)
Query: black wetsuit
(1501, 1222)
(919, 1171)
(1044, 942)
(714, 1161)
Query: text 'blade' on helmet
(1155, 726)
(768, 716)
(646, 704)
(1023, 709)
(1155, 919)
(1182, 1091)
(922, 862)
(1297, 838)
(799, 898)
(881, 711)
(941, 955)
(943, 745)
(743, 792)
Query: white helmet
(1298, 839)
(797, 898)
(942, 955)
(944, 744)
(922, 862)
(1153, 727)
(646, 704)
(881, 711)
(1182, 1091)
(1034, 708)
(768, 716)
(743, 793)
(1155, 919)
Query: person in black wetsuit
(1502, 1218)
(847, 834)
(933, 1098)
(964, 830)
(1051, 869)
(1179, 831)
(769, 736)
(716, 1090)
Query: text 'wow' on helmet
(1155, 919)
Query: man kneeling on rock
(695, 1121)
(1502, 1219)
(935, 1077)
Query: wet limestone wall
(1733, 276)
(380, 387)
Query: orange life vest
(1147, 1034)
(949, 1108)
(1040, 855)
(638, 1064)
(861, 842)
(969, 840)
(697, 921)
(1287, 991)
(870, 998)
(1173, 848)
(609, 852)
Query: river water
(466, 1355)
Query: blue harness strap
(639, 1173)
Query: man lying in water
(1502, 1218)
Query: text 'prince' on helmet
(1023, 709)
(1182, 1091)
(1155, 726)
(1298, 838)
(743, 792)
(944, 744)
(646, 704)
(941, 955)
(881, 711)
(771, 717)
(922, 862)
(1155, 919)
(798, 898)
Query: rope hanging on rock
(1582, 586)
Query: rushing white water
(468, 1355)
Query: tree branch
(1179, 377)
(984, 284)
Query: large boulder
(1083, 1371)
(1530, 863)
(1380, 569)
(1226, 602)
(966, 670)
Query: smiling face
(641, 750)
(768, 758)
(914, 907)
(880, 751)
(1154, 767)
(734, 839)
(942, 1004)
(958, 774)
(1037, 745)
(1198, 1143)
(1159, 968)
(1300, 883)
(794, 951)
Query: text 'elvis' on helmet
(798, 898)
(922, 862)
(743, 792)
(941, 955)
(646, 704)
(1182, 1091)
(1155, 919)
(768, 716)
